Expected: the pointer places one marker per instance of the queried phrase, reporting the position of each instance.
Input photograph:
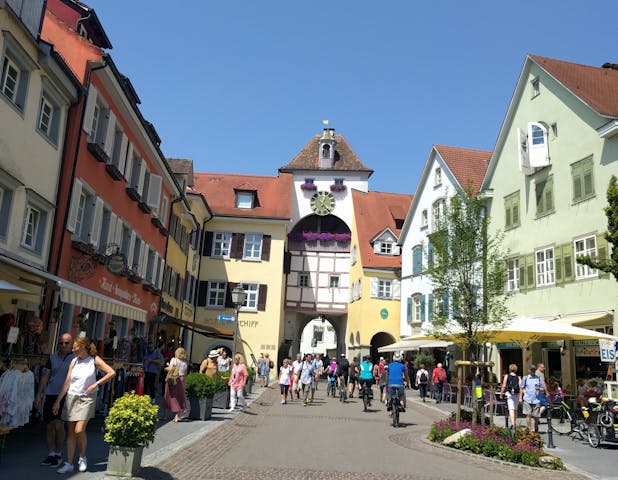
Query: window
(244, 199)
(416, 309)
(513, 274)
(221, 244)
(511, 210)
(253, 246)
(437, 210)
(45, 116)
(384, 289)
(417, 260)
(303, 279)
(251, 289)
(386, 248)
(216, 294)
(545, 268)
(10, 79)
(544, 197)
(437, 177)
(339, 182)
(583, 185)
(326, 151)
(49, 113)
(354, 254)
(333, 281)
(309, 181)
(536, 86)
(585, 247)
(424, 219)
(16, 68)
(31, 227)
(6, 200)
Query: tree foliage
(608, 265)
(468, 273)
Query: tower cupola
(326, 153)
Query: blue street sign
(226, 318)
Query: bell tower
(326, 151)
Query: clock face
(322, 203)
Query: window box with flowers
(308, 187)
(338, 187)
(323, 237)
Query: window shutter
(111, 233)
(91, 101)
(445, 309)
(207, 246)
(522, 152)
(77, 193)
(237, 245)
(161, 269)
(228, 295)
(396, 289)
(417, 260)
(558, 264)
(422, 308)
(602, 253)
(202, 293)
(530, 268)
(430, 307)
(429, 255)
(144, 259)
(567, 262)
(130, 261)
(373, 288)
(163, 212)
(549, 195)
(522, 272)
(577, 183)
(122, 155)
(128, 168)
(95, 228)
(455, 304)
(538, 152)
(142, 174)
(507, 214)
(262, 297)
(287, 262)
(118, 236)
(109, 134)
(376, 247)
(409, 311)
(266, 247)
(396, 250)
(540, 197)
(154, 192)
(515, 213)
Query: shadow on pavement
(153, 473)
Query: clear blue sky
(240, 86)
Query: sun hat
(213, 354)
(397, 357)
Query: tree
(468, 273)
(608, 265)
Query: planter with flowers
(308, 187)
(321, 236)
(129, 427)
(337, 187)
(200, 390)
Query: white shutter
(522, 152)
(142, 259)
(118, 235)
(155, 269)
(95, 228)
(154, 192)
(142, 174)
(77, 193)
(110, 134)
(111, 233)
(130, 261)
(122, 155)
(396, 289)
(129, 165)
(163, 213)
(373, 290)
(161, 269)
(538, 152)
(91, 101)
(376, 247)
(396, 250)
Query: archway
(380, 339)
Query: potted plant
(200, 390)
(250, 379)
(129, 427)
(221, 398)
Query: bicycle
(330, 387)
(343, 390)
(366, 394)
(394, 404)
(566, 420)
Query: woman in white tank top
(80, 387)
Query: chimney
(610, 66)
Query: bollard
(550, 433)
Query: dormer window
(326, 151)
(245, 199)
(437, 178)
(424, 219)
(386, 248)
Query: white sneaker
(82, 464)
(66, 467)
(230, 409)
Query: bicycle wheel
(395, 416)
(561, 421)
(365, 400)
(594, 436)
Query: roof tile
(468, 166)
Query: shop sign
(384, 313)
(551, 344)
(589, 351)
(585, 343)
(508, 345)
(116, 263)
(608, 350)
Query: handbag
(172, 375)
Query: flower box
(133, 194)
(163, 231)
(98, 152)
(337, 187)
(310, 187)
(322, 236)
(113, 171)
(83, 247)
(144, 207)
(156, 222)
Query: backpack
(442, 375)
(423, 378)
(271, 364)
(512, 384)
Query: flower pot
(248, 387)
(201, 408)
(124, 461)
(221, 399)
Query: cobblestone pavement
(329, 440)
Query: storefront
(509, 352)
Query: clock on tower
(322, 203)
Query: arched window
(326, 151)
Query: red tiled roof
(307, 158)
(468, 166)
(596, 86)
(183, 166)
(273, 194)
(374, 212)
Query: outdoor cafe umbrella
(527, 330)
(408, 345)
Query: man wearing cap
(531, 386)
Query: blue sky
(240, 86)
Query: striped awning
(80, 296)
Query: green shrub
(132, 421)
(250, 374)
(200, 386)
(491, 447)
(221, 382)
(470, 443)
(530, 457)
(425, 358)
(508, 454)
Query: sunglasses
(64, 343)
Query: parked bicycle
(603, 423)
(566, 420)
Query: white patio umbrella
(527, 330)
(408, 345)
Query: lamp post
(238, 299)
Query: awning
(588, 320)
(8, 287)
(407, 345)
(85, 298)
(206, 330)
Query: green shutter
(602, 253)
(540, 206)
(567, 262)
(409, 312)
(530, 268)
(588, 183)
(548, 191)
(507, 214)
(430, 307)
(558, 264)
(422, 308)
(522, 272)
(515, 210)
(576, 173)
(445, 304)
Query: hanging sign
(12, 335)
(607, 350)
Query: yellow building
(244, 245)
(375, 286)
